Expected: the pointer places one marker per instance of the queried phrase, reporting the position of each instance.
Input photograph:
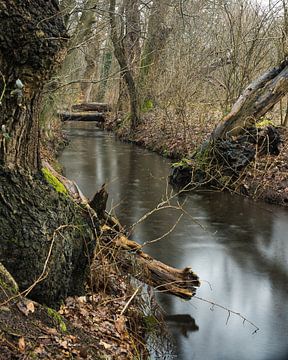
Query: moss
(264, 122)
(52, 180)
(58, 319)
(7, 282)
(183, 163)
(147, 105)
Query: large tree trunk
(155, 42)
(258, 98)
(32, 38)
(43, 236)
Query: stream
(238, 248)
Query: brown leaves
(21, 344)
(26, 306)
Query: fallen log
(129, 254)
(255, 101)
(82, 116)
(93, 106)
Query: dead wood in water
(82, 116)
(100, 107)
(164, 278)
(129, 255)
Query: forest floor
(110, 322)
(264, 179)
(99, 325)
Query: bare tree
(120, 54)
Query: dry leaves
(21, 344)
(26, 306)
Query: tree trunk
(44, 239)
(119, 51)
(236, 140)
(106, 66)
(30, 46)
(259, 97)
(156, 38)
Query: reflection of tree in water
(179, 325)
(246, 230)
(183, 323)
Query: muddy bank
(265, 178)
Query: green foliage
(52, 180)
(264, 122)
(147, 105)
(58, 319)
(183, 163)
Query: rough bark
(37, 225)
(31, 42)
(44, 237)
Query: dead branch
(130, 257)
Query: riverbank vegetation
(173, 71)
(60, 251)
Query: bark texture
(40, 225)
(31, 42)
(258, 98)
(44, 238)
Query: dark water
(241, 248)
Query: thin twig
(129, 301)
(229, 312)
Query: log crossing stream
(239, 250)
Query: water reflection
(241, 248)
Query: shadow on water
(240, 248)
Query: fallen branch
(101, 107)
(129, 254)
(82, 116)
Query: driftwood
(129, 254)
(101, 107)
(82, 116)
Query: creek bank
(264, 177)
(93, 326)
(110, 320)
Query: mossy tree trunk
(43, 236)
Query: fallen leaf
(30, 307)
(21, 344)
(120, 324)
(26, 306)
(64, 344)
(106, 346)
(39, 350)
(51, 331)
